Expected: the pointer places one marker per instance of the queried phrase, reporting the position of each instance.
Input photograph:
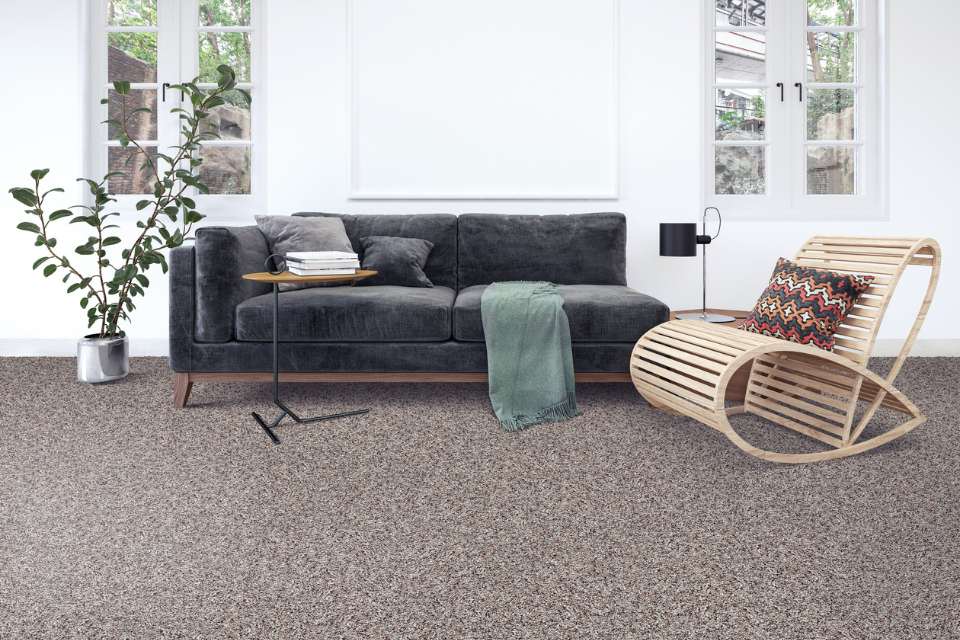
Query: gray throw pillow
(293, 233)
(397, 261)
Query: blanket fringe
(563, 410)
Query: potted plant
(110, 273)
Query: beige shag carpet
(121, 517)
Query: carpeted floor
(121, 517)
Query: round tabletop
(290, 278)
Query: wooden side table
(276, 279)
(739, 315)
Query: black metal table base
(284, 409)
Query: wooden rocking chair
(710, 372)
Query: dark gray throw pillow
(397, 261)
(293, 233)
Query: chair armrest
(223, 256)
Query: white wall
(308, 124)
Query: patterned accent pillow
(805, 305)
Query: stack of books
(322, 263)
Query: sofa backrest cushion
(587, 248)
(438, 228)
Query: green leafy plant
(109, 274)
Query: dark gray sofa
(221, 325)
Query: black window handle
(799, 86)
(780, 85)
(163, 92)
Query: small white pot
(102, 359)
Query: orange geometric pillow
(805, 305)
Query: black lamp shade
(678, 239)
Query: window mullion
(782, 111)
(795, 24)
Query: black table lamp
(681, 239)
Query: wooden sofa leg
(182, 384)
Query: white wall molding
(570, 182)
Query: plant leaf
(40, 261)
(24, 196)
(48, 270)
(62, 213)
(28, 226)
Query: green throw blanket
(529, 357)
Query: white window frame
(786, 195)
(178, 31)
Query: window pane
(737, 13)
(140, 126)
(831, 170)
(830, 114)
(740, 170)
(226, 170)
(225, 13)
(232, 120)
(137, 178)
(740, 114)
(830, 57)
(130, 13)
(224, 48)
(740, 56)
(830, 12)
(132, 57)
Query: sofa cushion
(586, 248)
(597, 313)
(350, 314)
(438, 228)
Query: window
(156, 43)
(793, 108)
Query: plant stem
(53, 254)
(164, 199)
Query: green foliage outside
(215, 49)
(832, 59)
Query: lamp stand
(703, 315)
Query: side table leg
(284, 409)
(300, 420)
(269, 428)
